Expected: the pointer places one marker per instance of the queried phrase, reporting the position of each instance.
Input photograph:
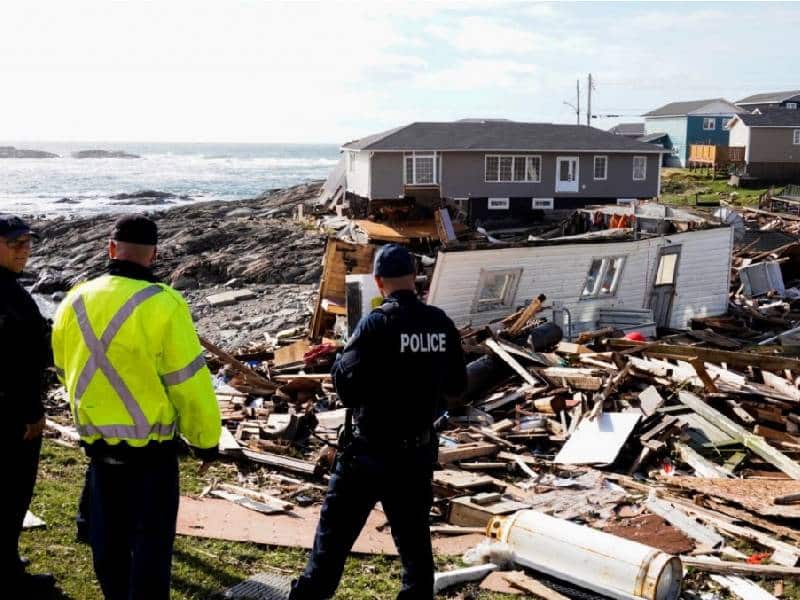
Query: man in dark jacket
(400, 364)
(24, 356)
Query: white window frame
(791, 105)
(527, 158)
(417, 155)
(644, 168)
(542, 203)
(509, 292)
(605, 168)
(499, 203)
(605, 263)
(796, 137)
(709, 123)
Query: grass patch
(200, 567)
(685, 187)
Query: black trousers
(402, 483)
(19, 477)
(133, 510)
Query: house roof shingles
(769, 97)
(499, 136)
(628, 129)
(681, 109)
(772, 118)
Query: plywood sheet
(403, 232)
(756, 495)
(219, 519)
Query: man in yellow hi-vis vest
(126, 350)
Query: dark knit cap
(135, 229)
(393, 260)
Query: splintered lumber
(534, 307)
(711, 565)
(249, 374)
(705, 536)
(722, 524)
(241, 500)
(67, 432)
(465, 452)
(650, 400)
(585, 380)
(708, 382)
(739, 360)
(288, 463)
(755, 443)
(611, 384)
(743, 588)
(701, 466)
(461, 480)
(518, 368)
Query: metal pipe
(592, 559)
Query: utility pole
(576, 107)
(589, 103)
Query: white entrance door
(567, 174)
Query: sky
(319, 72)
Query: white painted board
(598, 441)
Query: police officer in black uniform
(24, 356)
(400, 364)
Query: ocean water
(38, 186)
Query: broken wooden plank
(755, 443)
(249, 374)
(712, 565)
(650, 400)
(702, 466)
(705, 536)
(445, 579)
(509, 360)
(295, 465)
(466, 451)
(577, 378)
(739, 360)
(461, 480)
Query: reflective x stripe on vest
(98, 361)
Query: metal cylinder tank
(599, 561)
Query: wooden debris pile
(689, 444)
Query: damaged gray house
(665, 268)
(498, 169)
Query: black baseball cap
(393, 261)
(135, 229)
(12, 227)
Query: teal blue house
(678, 125)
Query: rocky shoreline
(205, 248)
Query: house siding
(560, 271)
(695, 134)
(358, 175)
(463, 176)
(387, 175)
(773, 145)
(675, 128)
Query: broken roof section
(491, 135)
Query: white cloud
(484, 35)
(480, 74)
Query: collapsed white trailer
(679, 276)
